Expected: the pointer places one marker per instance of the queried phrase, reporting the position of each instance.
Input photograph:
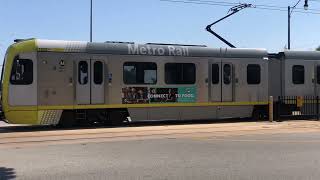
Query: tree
(318, 48)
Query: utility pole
(289, 26)
(90, 20)
(290, 11)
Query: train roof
(152, 49)
(303, 55)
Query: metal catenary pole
(289, 24)
(290, 11)
(90, 20)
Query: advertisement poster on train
(144, 95)
(163, 95)
(135, 95)
(186, 94)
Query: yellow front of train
(18, 83)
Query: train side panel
(60, 75)
(299, 78)
(245, 91)
(300, 73)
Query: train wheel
(66, 124)
(257, 115)
(67, 119)
(117, 118)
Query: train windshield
(2, 71)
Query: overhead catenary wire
(259, 5)
(200, 2)
(230, 4)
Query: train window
(140, 73)
(98, 72)
(298, 74)
(22, 72)
(227, 74)
(253, 74)
(318, 74)
(83, 73)
(180, 73)
(215, 74)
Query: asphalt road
(228, 151)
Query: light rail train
(50, 82)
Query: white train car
(294, 73)
(51, 82)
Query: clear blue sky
(156, 21)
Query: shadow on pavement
(28, 128)
(7, 173)
(33, 128)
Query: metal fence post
(317, 108)
(279, 107)
(271, 108)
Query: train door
(220, 81)
(97, 82)
(90, 82)
(214, 79)
(227, 82)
